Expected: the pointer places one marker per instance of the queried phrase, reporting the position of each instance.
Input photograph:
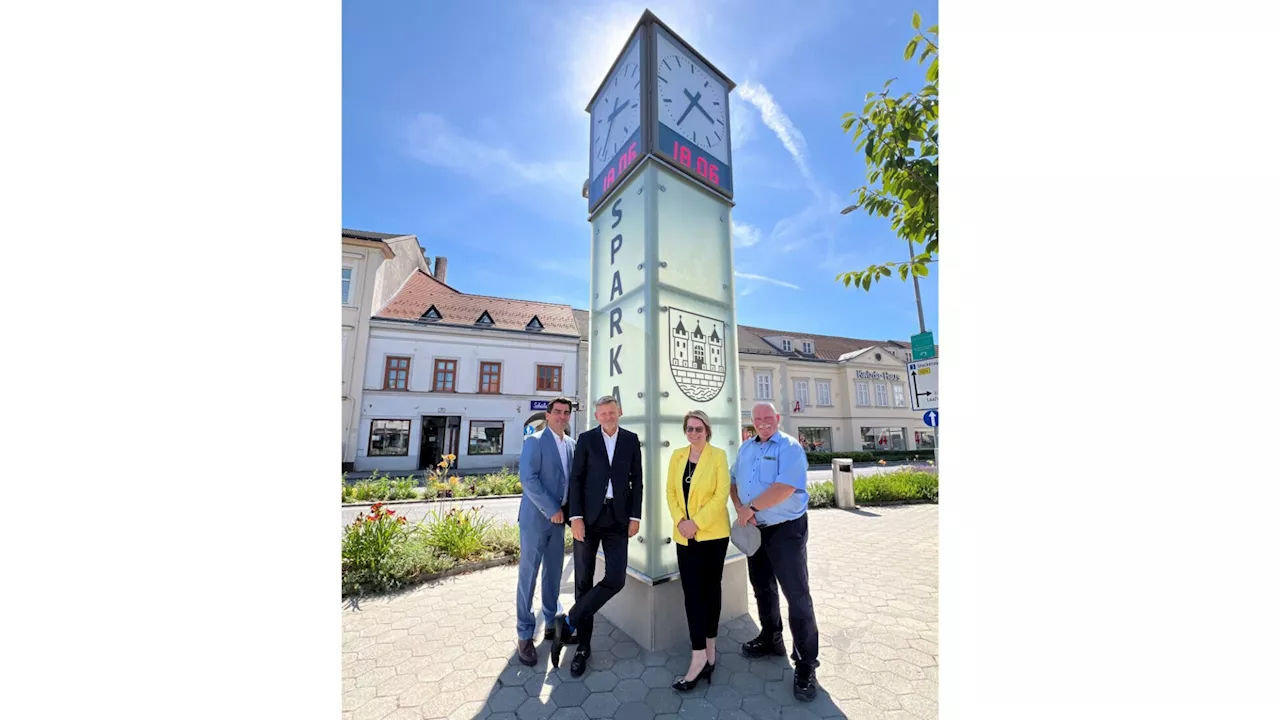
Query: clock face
(692, 102)
(616, 115)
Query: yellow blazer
(708, 494)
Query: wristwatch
(753, 508)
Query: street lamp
(911, 251)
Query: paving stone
(698, 709)
(571, 694)
(631, 690)
(508, 699)
(569, 713)
(600, 705)
(724, 697)
(663, 700)
(761, 707)
(536, 709)
(634, 711)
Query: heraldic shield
(697, 348)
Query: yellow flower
(454, 480)
(450, 457)
(443, 463)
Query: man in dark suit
(606, 492)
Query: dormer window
(485, 319)
(786, 345)
(808, 348)
(535, 325)
(431, 314)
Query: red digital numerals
(708, 170)
(624, 161)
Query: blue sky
(464, 125)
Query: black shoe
(563, 633)
(571, 640)
(806, 684)
(579, 664)
(685, 686)
(764, 645)
(527, 653)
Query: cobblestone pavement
(447, 650)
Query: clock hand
(694, 103)
(693, 100)
(618, 109)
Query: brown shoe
(527, 652)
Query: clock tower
(663, 324)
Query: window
(396, 376)
(808, 348)
(485, 438)
(764, 386)
(346, 285)
(786, 346)
(899, 396)
(824, 393)
(864, 394)
(389, 438)
(802, 393)
(549, 377)
(883, 438)
(882, 395)
(925, 440)
(490, 377)
(815, 439)
(443, 378)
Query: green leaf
(911, 50)
(915, 20)
(932, 74)
(932, 29)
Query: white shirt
(610, 443)
(563, 447)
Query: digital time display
(613, 173)
(697, 161)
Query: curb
(444, 574)
(423, 501)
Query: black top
(689, 467)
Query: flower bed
(910, 484)
(439, 484)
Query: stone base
(653, 614)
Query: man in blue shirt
(769, 486)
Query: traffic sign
(922, 347)
(931, 418)
(924, 384)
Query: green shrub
(503, 539)
(825, 458)
(402, 489)
(898, 485)
(459, 534)
(822, 495)
(370, 547)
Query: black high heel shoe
(685, 686)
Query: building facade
(468, 375)
(371, 263)
(834, 394)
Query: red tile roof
(825, 347)
(421, 291)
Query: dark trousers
(783, 559)
(701, 569)
(612, 534)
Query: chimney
(442, 268)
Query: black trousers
(701, 569)
(783, 559)
(589, 598)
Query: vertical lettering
(617, 395)
(614, 246)
(617, 212)
(617, 285)
(615, 321)
(614, 354)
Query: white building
(836, 394)
(371, 262)
(469, 375)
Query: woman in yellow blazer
(698, 497)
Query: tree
(899, 139)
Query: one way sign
(923, 379)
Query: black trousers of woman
(701, 569)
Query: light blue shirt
(761, 464)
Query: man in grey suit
(545, 460)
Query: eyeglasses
(694, 429)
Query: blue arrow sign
(931, 418)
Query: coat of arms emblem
(697, 348)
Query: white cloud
(750, 276)
(745, 234)
(435, 143)
(786, 131)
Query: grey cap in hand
(746, 538)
